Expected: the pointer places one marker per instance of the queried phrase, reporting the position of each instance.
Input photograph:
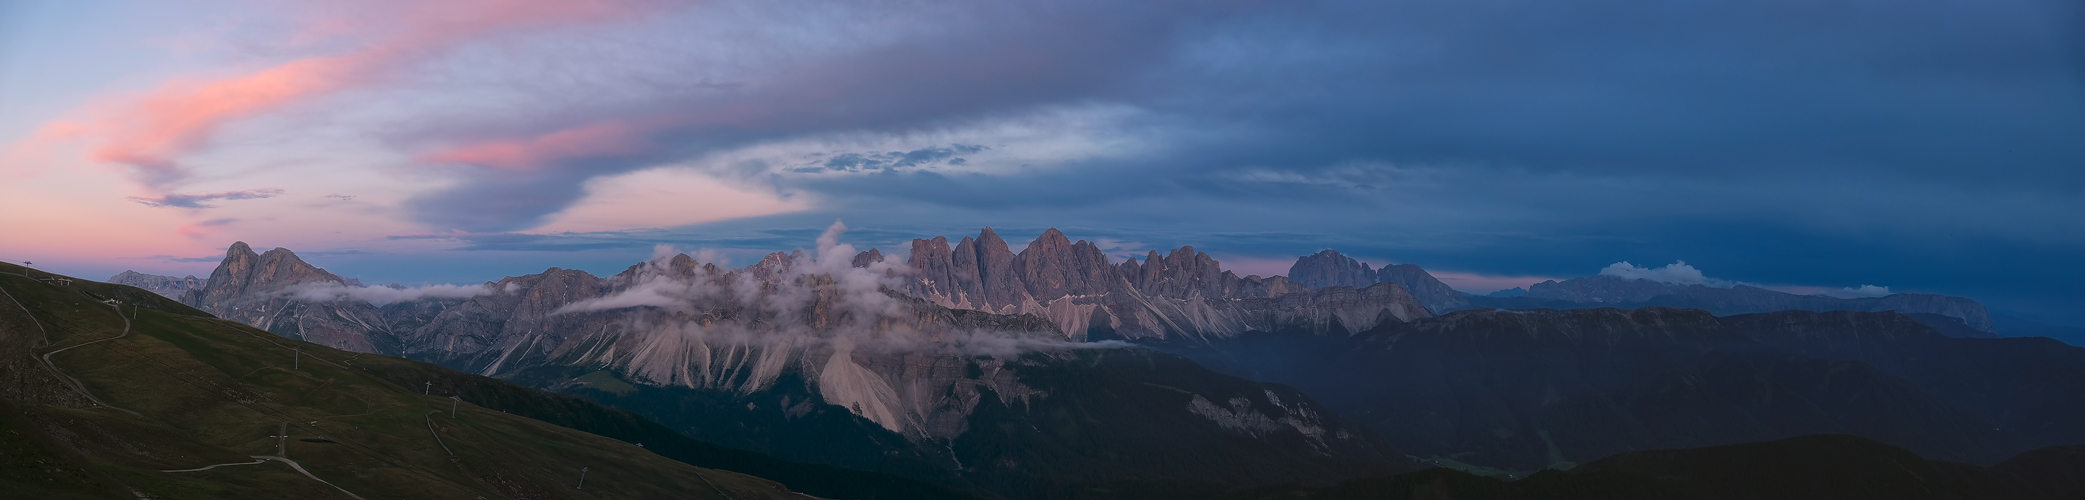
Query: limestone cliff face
(259, 290)
(1330, 268)
(1182, 294)
(910, 366)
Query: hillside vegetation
(148, 398)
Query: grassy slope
(207, 391)
(577, 413)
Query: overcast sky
(1924, 146)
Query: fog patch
(1862, 292)
(380, 295)
(1678, 273)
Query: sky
(1812, 145)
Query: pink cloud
(152, 129)
(593, 140)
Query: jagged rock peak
(242, 273)
(1053, 266)
(774, 266)
(995, 265)
(865, 258)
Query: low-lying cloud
(1678, 273)
(859, 312)
(1864, 291)
(377, 295)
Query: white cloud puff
(1677, 272)
(1863, 291)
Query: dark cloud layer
(1925, 145)
(879, 162)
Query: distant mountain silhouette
(1528, 389)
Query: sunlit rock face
(912, 367)
(1184, 294)
(261, 290)
(828, 344)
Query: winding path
(258, 459)
(208, 467)
(437, 436)
(300, 470)
(76, 381)
(46, 358)
(82, 387)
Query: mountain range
(114, 392)
(1329, 268)
(1058, 372)
(812, 346)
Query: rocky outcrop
(1437, 296)
(1330, 268)
(1182, 294)
(261, 290)
(166, 286)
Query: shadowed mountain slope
(150, 398)
(1527, 389)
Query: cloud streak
(377, 295)
(152, 130)
(178, 200)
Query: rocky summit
(1182, 294)
(1331, 268)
